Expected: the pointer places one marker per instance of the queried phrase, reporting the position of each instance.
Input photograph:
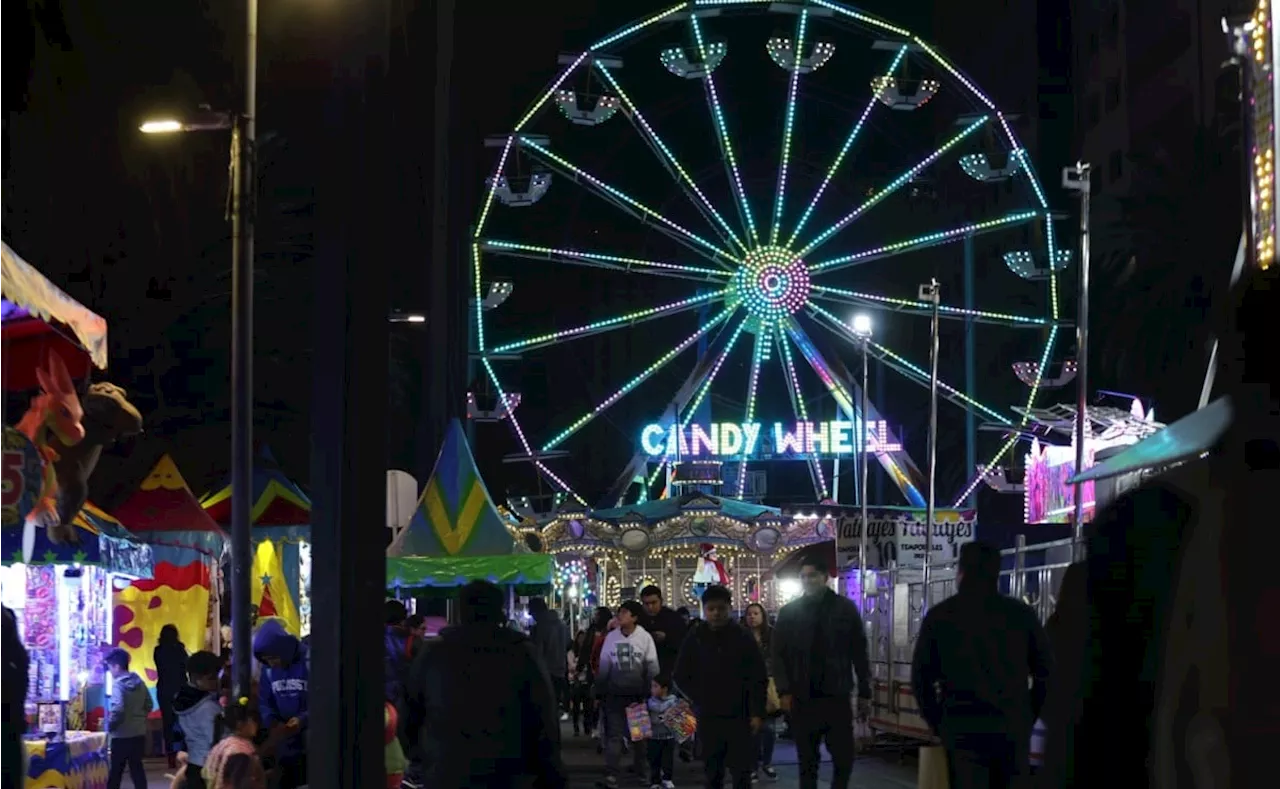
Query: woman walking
(170, 657)
(757, 622)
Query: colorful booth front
(281, 516)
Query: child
(126, 721)
(243, 772)
(197, 708)
(662, 741)
(240, 721)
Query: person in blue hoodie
(283, 696)
(196, 708)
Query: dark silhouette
(14, 690)
(170, 656)
(974, 655)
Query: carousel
(681, 545)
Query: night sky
(133, 226)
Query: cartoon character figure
(55, 413)
(108, 417)
(710, 569)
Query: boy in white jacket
(628, 664)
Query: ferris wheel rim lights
(758, 273)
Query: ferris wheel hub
(773, 283)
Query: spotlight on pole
(406, 317)
(862, 325)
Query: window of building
(1113, 93)
(1093, 110)
(1115, 166)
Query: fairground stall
(678, 544)
(61, 555)
(280, 514)
(456, 536)
(187, 546)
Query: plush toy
(52, 420)
(710, 569)
(108, 417)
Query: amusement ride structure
(762, 270)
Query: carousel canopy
(101, 540)
(164, 510)
(690, 504)
(32, 307)
(276, 500)
(456, 516)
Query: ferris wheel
(768, 259)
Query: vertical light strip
(800, 408)
(639, 379)
(631, 201)
(1053, 274)
(893, 186)
(762, 337)
(780, 195)
(671, 157)
(844, 150)
(722, 131)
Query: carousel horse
(52, 419)
(108, 417)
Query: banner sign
(897, 534)
(760, 440)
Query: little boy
(662, 741)
(126, 721)
(197, 709)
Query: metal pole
(1082, 349)
(933, 293)
(970, 373)
(242, 216)
(864, 463)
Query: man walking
(628, 666)
(974, 656)
(818, 645)
(664, 625)
(126, 721)
(722, 671)
(550, 638)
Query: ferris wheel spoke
(682, 235)
(1022, 423)
(639, 379)
(875, 301)
(722, 137)
(682, 177)
(844, 149)
(800, 409)
(925, 241)
(789, 118)
(847, 394)
(892, 187)
(692, 408)
(605, 325)
(753, 388)
(600, 260)
(524, 441)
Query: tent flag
(455, 516)
(270, 587)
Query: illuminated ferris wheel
(765, 257)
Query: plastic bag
(638, 724)
(681, 720)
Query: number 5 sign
(22, 476)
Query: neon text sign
(751, 439)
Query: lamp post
(931, 293)
(243, 206)
(862, 330)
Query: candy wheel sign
(22, 477)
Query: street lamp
(862, 330)
(242, 127)
(406, 317)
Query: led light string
(797, 403)
(923, 241)
(793, 87)
(823, 291)
(617, 262)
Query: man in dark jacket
(550, 636)
(818, 645)
(478, 708)
(721, 670)
(974, 655)
(664, 624)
